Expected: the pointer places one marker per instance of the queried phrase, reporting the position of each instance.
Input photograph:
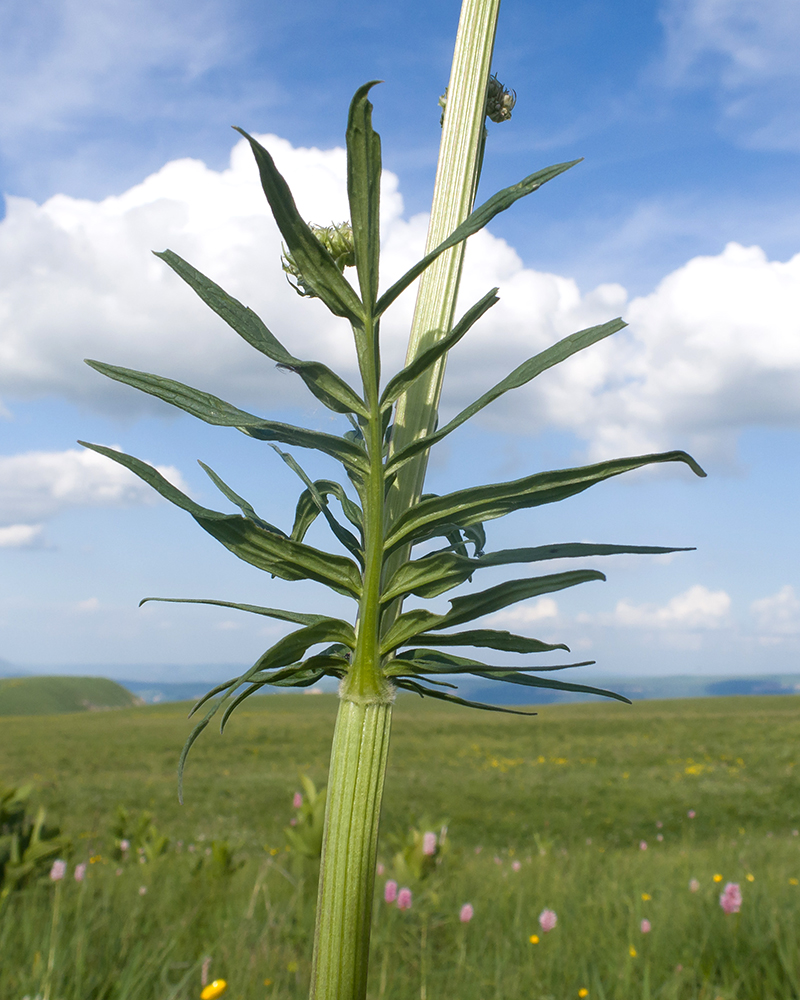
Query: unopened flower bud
(499, 101)
(337, 240)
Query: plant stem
(347, 878)
(457, 175)
(361, 738)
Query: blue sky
(684, 218)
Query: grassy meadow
(583, 810)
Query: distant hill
(57, 695)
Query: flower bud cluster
(337, 240)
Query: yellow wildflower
(214, 990)
(583, 992)
(750, 878)
(534, 939)
(646, 896)
(717, 878)
(632, 951)
(793, 881)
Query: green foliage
(27, 844)
(488, 780)
(305, 834)
(378, 571)
(136, 836)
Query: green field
(558, 806)
(56, 695)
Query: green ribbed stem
(457, 175)
(347, 879)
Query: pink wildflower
(297, 801)
(429, 843)
(478, 849)
(694, 885)
(380, 869)
(691, 814)
(58, 871)
(142, 890)
(644, 926)
(659, 837)
(547, 920)
(124, 845)
(404, 899)
(466, 914)
(659, 824)
(80, 873)
(390, 891)
(731, 898)
(642, 845)
(516, 865)
(118, 871)
(293, 821)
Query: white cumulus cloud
(778, 614)
(20, 536)
(37, 485)
(696, 608)
(714, 348)
(543, 609)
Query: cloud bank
(714, 348)
(38, 485)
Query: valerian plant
(378, 512)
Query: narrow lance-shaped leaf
(214, 410)
(287, 616)
(463, 609)
(301, 675)
(438, 572)
(347, 538)
(490, 638)
(438, 662)
(398, 384)
(521, 375)
(475, 221)
(507, 676)
(243, 505)
(483, 503)
(364, 191)
(261, 548)
(307, 510)
(329, 388)
(316, 264)
(425, 692)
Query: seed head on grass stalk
(377, 512)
